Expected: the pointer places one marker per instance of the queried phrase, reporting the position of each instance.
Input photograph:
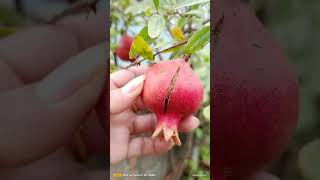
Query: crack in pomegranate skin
(170, 89)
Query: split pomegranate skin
(254, 95)
(124, 47)
(172, 91)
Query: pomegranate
(124, 47)
(172, 91)
(254, 94)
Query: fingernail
(134, 87)
(79, 71)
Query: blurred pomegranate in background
(124, 47)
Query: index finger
(122, 77)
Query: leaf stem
(171, 47)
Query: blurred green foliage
(10, 22)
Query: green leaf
(4, 32)
(9, 17)
(198, 133)
(173, 2)
(181, 22)
(113, 47)
(136, 8)
(156, 25)
(142, 48)
(184, 3)
(144, 34)
(170, 2)
(132, 53)
(156, 4)
(178, 52)
(147, 11)
(309, 160)
(177, 48)
(192, 165)
(113, 67)
(205, 153)
(196, 12)
(198, 40)
(206, 113)
(177, 33)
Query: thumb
(123, 98)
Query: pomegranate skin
(185, 98)
(124, 47)
(254, 96)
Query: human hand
(125, 89)
(48, 89)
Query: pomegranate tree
(172, 39)
(254, 94)
(172, 91)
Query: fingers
(93, 135)
(146, 146)
(88, 30)
(119, 137)
(123, 98)
(143, 123)
(122, 77)
(147, 123)
(34, 52)
(189, 124)
(37, 119)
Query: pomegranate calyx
(168, 134)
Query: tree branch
(216, 33)
(157, 53)
(83, 5)
(206, 21)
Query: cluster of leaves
(183, 21)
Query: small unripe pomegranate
(124, 47)
(172, 91)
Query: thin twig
(216, 33)
(174, 46)
(134, 63)
(182, 165)
(139, 61)
(206, 21)
(84, 5)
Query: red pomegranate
(254, 95)
(172, 91)
(124, 47)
